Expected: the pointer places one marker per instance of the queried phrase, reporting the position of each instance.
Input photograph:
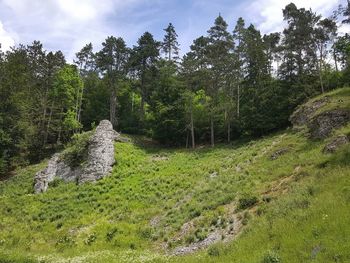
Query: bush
(64, 242)
(213, 251)
(271, 257)
(77, 150)
(247, 202)
(56, 182)
(111, 233)
(90, 239)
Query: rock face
(336, 143)
(101, 153)
(304, 113)
(99, 162)
(322, 125)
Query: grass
(296, 208)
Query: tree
(143, 61)
(220, 44)
(346, 13)
(86, 63)
(67, 88)
(167, 105)
(323, 33)
(299, 67)
(238, 38)
(112, 60)
(170, 46)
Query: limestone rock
(278, 153)
(323, 124)
(101, 153)
(305, 112)
(99, 162)
(336, 143)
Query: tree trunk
(48, 125)
(187, 138)
(192, 131)
(212, 131)
(238, 99)
(113, 108)
(320, 68)
(228, 131)
(335, 61)
(80, 104)
(132, 102)
(143, 95)
(59, 129)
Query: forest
(234, 82)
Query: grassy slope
(307, 219)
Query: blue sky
(68, 25)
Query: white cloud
(6, 40)
(267, 14)
(64, 24)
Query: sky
(68, 25)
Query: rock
(213, 175)
(305, 112)
(99, 162)
(323, 124)
(100, 154)
(278, 153)
(42, 178)
(336, 143)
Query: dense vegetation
(293, 208)
(233, 82)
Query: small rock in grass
(336, 143)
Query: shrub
(90, 239)
(247, 201)
(213, 251)
(77, 150)
(146, 233)
(271, 257)
(111, 233)
(65, 241)
(190, 239)
(56, 182)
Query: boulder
(278, 153)
(99, 163)
(323, 124)
(336, 143)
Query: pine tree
(113, 63)
(238, 38)
(143, 61)
(170, 46)
(220, 45)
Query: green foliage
(90, 239)
(213, 251)
(148, 198)
(271, 257)
(76, 151)
(247, 201)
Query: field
(276, 199)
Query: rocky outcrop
(321, 117)
(323, 124)
(100, 154)
(99, 162)
(304, 113)
(336, 143)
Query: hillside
(276, 199)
